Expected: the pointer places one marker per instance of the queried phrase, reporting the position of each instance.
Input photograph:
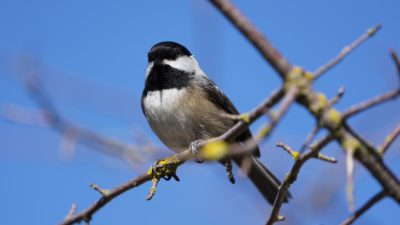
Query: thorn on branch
(103, 192)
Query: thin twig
(266, 130)
(371, 103)
(376, 198)
(390, 139)
(310, 138)
(71, 212)
(337, 97)
(396, 60)
(296, 154)
(350, 178)
(87, 214)
(346, 51)
(292, 176)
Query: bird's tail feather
(261, 177)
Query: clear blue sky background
(93, 56)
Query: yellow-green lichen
(309, 76)
(319, 103)
(350, 144)
(373, 30)
(298, 78)
(164, 167)
(295, 155)
(264, 131)
(245, 117)
(333, 117)
(214, 150)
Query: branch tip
(103, 192)
(153, 188)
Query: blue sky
(92, 57)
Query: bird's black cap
(167, 50)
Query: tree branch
(292, 176)
(396, 61)
(390, 139)
(371, 103)
(376, 198)
(346, 51)
(87, 214)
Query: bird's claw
(165, 169)
(194, 149)
(228, 169)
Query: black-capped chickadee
(183, 105)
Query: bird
(182, 106)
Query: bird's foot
(165, 169)
(228, 169)
(194, 149)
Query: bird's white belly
(169, 118)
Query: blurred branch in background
(47, 115)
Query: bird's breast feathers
(179, 116)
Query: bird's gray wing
(218, 98)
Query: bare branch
(289, 98)
(310, 138)
(332, 120)
(260, 110)
(390, 139)
(292, 176)
(346, 51)
(396, 60)
(87, 214)
(371, 103)
(376, 198)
